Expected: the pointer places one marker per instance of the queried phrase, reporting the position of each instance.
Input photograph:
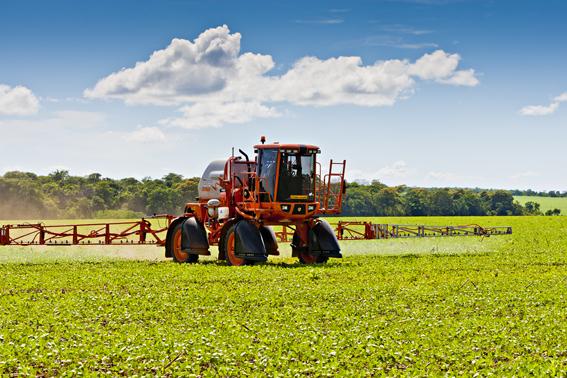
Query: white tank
(209, 186)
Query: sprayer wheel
(230, 249)
(308, 259)
(179, 255)
(305, 257)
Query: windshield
(297, 177)
(267, 171)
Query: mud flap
(248, 242)
(194, 238)
(322, 240)
(269, 239)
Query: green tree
(415, 202)
(441, 202)
(532, 208)
(171, 179)
(553, 212)
(388, 202)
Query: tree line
(533, 193)
(379, 199)
(25, 195)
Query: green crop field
(547, 203)
(440, 306)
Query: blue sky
(419, 92)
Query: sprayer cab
(282, 183)
(287, 179)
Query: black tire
(303, 256)
(228, 248)
(318, 260)
(222, 239)
(174, 245)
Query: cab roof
(287, 146)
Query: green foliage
(60, 195)
(532, 193)
(553, 212)
(432, 307)
(546, 203)
(532, 208)
(378, 199)
(25, 195)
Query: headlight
(285, 207)
(311, 208)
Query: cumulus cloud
(17, 101)
(214, 83)
(183, 68)
(210, 114)
(442, 68)
(462, 78)
(539, 110)
(561, 98)
(542, 110)
(145, 135)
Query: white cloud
(145, 135)
(525, 174)
(66, 118)
(17, 101)
(397, 42)
(542, 110)
(393, 174)
(451, 178)
(343, 80)
(183, 68)
(397, 170)
(462, 78)
(404, 29)
(212, 114)
(434, 66)
(77, 119)
(211, 78)
(321, 21)
(561, 98)
(442, 67)
(443, 176)
(539, 110)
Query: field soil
(437, 306)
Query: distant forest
(529, 192)
(25, 195)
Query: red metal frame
(131, 232)
(102, 234)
